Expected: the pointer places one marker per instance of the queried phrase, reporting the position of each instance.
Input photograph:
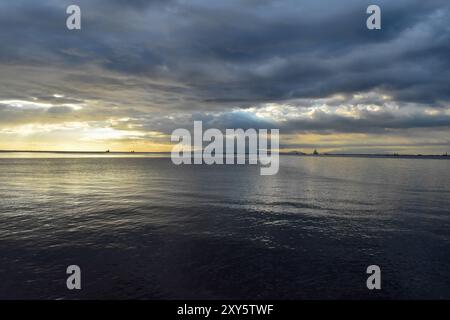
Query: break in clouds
(139, 69)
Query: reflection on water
(142, 227)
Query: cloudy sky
(139, 69)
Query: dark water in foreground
(144, 228)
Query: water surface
(141, 227)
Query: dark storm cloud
(164, 57)
(319, 121)
(371, 123)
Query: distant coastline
(362, 155)
(298, 154)
(81, 152)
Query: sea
(140, 227)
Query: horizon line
(297, 153)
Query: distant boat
(107, 151)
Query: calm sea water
(145, 228)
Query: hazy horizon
(292, 152)
(320, 76)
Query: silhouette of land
(291, 153)
(369, 155)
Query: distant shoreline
(329, 155)
(80, 152)
(387, 156)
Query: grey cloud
(371, 123)
(153, 59)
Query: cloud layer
(143, 68)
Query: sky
(137, 70)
